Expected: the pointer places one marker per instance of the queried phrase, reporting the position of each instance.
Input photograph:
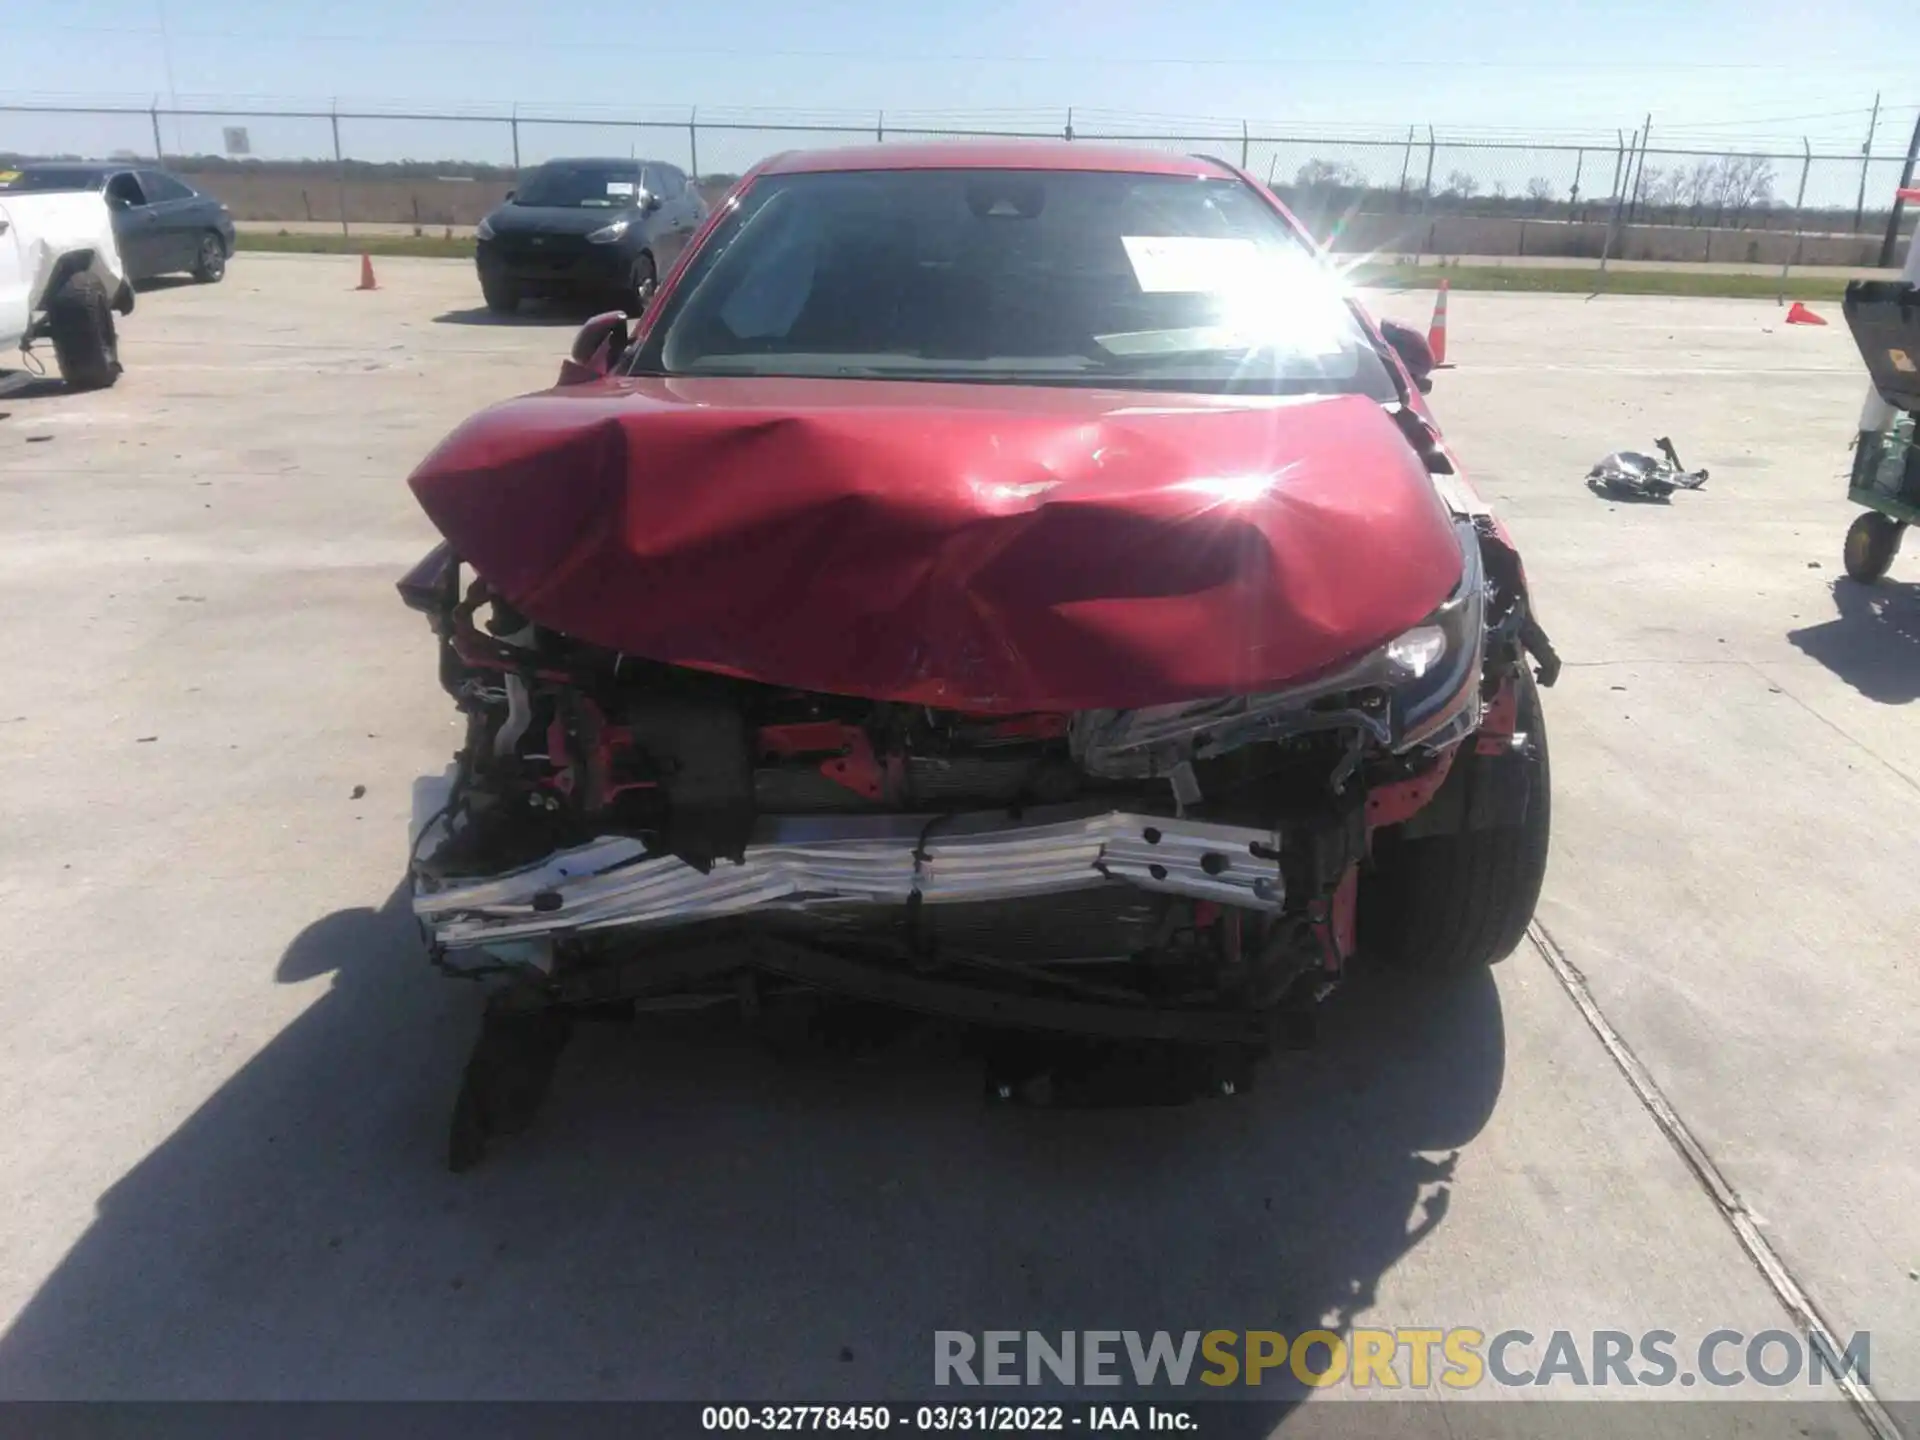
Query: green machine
(1884, 316)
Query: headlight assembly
(608, 234)
(1421, 687)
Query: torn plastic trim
(1379, 695)
(796, 862)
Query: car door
(13, 286)
(136, 226)
(678, 216)
(178, 219)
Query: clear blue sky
(1707, 69)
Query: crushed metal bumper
(797, 862)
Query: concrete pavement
(230, 1068)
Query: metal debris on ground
(1642, 477)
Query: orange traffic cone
(1798, 314)
(366, 273)
(1437, 332)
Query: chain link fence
(1421, 194)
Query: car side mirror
(649, 202)
(1412, 348)
(600, 342)
(507, 196)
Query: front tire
(1872, 541)
(1448, 904)
(80, 323)
(500, 293)
(640, 287)
(210, 260)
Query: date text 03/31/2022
(960, 1419)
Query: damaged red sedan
(1011, 583)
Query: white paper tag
(622, 187)
(1165, 264)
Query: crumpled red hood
(969, 547)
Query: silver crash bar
(795, 862)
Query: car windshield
(50, 178)
(581, 187)
(1018, 276)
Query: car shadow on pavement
(1873, 643)
(163, 282)
(39, 387)
(691, 1217)
(531, 312)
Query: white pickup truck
(61, 280)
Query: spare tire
(1450, 903)
(80, 324)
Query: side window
(124, 192)
(673, 184)
(163, 187)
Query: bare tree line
(1722, 190)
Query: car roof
(611, 162)
(73, 167)
(997, 155)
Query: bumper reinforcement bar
(794, 862)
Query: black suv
(587, 228)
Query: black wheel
(641, 286)
(210, 260)
(501, 294)
(80, 322)
(1872, 541)
(1446, 904)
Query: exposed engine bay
(616, 828)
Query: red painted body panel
(991, 548)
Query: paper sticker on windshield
(622, 187)
(1166, 264)
(7, 177)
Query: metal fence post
(339, 168)
(1426, 197)
(1893, 216)
(1406, 164)
(1622, 167)
(693, 142)
(880, 128)
(159, 151)
(1799, 219)
(1069, 122)
(515, 122)
(1866, 158)
(1573, 195)
(1640, 177)
(1245, 143)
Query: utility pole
(1622, 172)
(1893, 219)
(173, 93)
(1640, 178)
(1866, 158)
